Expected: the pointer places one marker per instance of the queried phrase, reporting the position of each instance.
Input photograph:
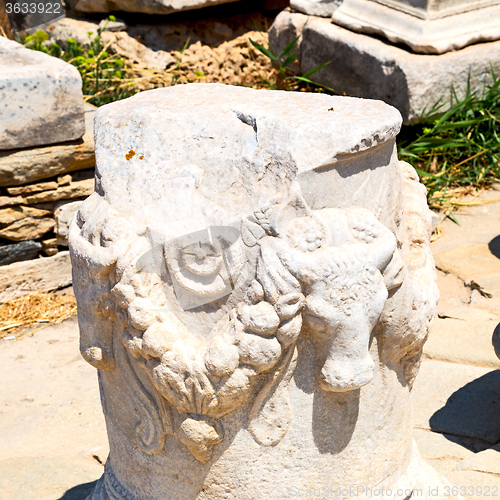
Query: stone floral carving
(323, 273)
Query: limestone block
(10, 215)
(19, 167)
(138, 54)
(76, 189)
(9, 201)
(63, 213)
(43, 274)
(29, 228)
(253, 277)
(364, 66)
(42, 100)
(428, 26)
(145, 6)
(117, 41)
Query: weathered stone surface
(43, 274)
(29, 228)
(473, 485)
(364, 66)
(146, 6)
(17, 252)
(63, 214)
(437, 446)
(321, 8)
(79, 30)
(50, 418)
(212, 246)
(76, 189)
(485, 461)
(49, 247)
(20, 167)
(117, 42)
(467, 327)
(32, 188)
(428, 26)
(473, 263)
(42, 96)
(8, 201)
(136, 53)
(458, 399)
(10, 215)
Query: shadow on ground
(80, 492)
(473, 411)
(494, 246)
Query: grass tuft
(456, 152)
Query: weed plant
(285, 79)
(458, 150)
(105, 78)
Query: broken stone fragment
(63, 214)
(78, 189)
(19, 167)
(42, 100)
(32, 188)
(50, 246)
(42, 274)
(17, 252)
(8, 201)
(115, 38)
(10, 215)
(29, 228)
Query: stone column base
(365, 66)
(417, 479)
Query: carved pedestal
(255, 285)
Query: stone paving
(52, 433)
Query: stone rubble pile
(46, 167)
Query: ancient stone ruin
(412, 55)
(254, 285)
(46, 167)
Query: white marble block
(41, 100)
(427, 26)
(254, 285)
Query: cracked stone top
(207, 141)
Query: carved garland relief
(289, 271)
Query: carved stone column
(254, 284)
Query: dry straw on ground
(35, 311)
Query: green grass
(458, 150)
(105, 78)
